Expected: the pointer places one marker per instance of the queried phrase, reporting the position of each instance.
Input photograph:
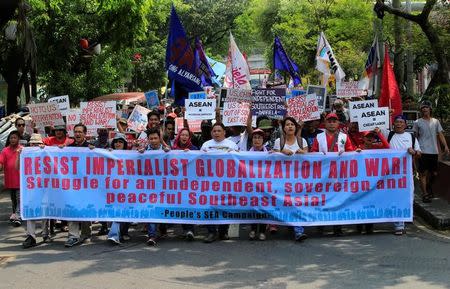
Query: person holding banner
(8, 159)
(258, 146)
(60, 138)
(154, 144)
(119, 231)
(183, 141)
(30, 241)
(399, 139)
(332, 140)
(292, 143)
(218, 143)
(74, 236)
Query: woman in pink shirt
(8, 158)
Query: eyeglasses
(20, 124)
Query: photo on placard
(321, 93)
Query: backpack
(391, 134)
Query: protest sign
(269, 102)
(72, 118)
(194, 125)
(235, 113)
(98, 114)
(411, 117)
(370, 118)
(62, 102)
(209, 90)
(222, 98)
(152, 99)
(296, 92)
(349, 89)
(303, 107)
(137, 120)
(321, 93)
(355, 106)
(199, 109)
(197, 95)
(239, 94)
(45, 114)
(221, 188)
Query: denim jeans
(151, 230)
(114, 231)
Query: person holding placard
(292, 143)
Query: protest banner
(269, 102)
(235, 113)
(355, 106)
(98, 114)
(72, 118)
(194, 125)
(239, 94)
(321, 93)
(411, 117)
(199, 109)
(370, 118)
(137, 120)
(197, 95)
(303, 107)
(63, 103)
(45, 114)
(152, 99)
(349, 89)
(194, 187)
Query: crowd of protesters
(332, 133)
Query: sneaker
(17, 222)
(300, 237)
(72, 242)
(273, 229)
(210, 238)
(399, 232)
(113, 241)
(29, 242)
(151, 241)
(224, 237)
(252, 235)
(190, 236)
(262, 237)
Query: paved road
(421, 259)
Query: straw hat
(36, 139)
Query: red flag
(390, 94)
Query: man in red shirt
(332, 141)
(60, 138)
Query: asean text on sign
(214, 188)
(199, 109)
(371, 118)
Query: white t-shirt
(401, 141)
(225, 145)
(426, 132)
(293, 147)
(240, 140)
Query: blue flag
(281, 61)
(180, 61)
(204, 70)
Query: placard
(98, 114)
(199, 109)
(63, 103)
(72, 118)
(194, 125)
(197, 95)
(239, 94)
(45, 114)
(152, 99)
(137, 120)
(321, 93)
(303, 107)
(355, 106)
(235, 113)
(370, 118)
(349, 89)
(270, 102)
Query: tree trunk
(399, 55)
(12, 79)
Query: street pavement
(419, 259)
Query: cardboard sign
(370, 118)
(194, 125)
(235, 113)
(199, 109)
(46, 114)
(62, 102)
(321, 93)
(303, 107)
(98, 114)
(269, 102)
(355, 106)
(152, 99)
(137, 120)
(349, 89)
(236, 94)
(411, 117)
(197, 95)
(72, 119)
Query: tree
(423, 19)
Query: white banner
(370, 118)
(63, 103)
(199, 109)
(98, 114)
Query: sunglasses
(20, 124)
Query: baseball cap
(425, 103)
(331, 115)
(400, 116)
(258, 131)
(265, 124)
